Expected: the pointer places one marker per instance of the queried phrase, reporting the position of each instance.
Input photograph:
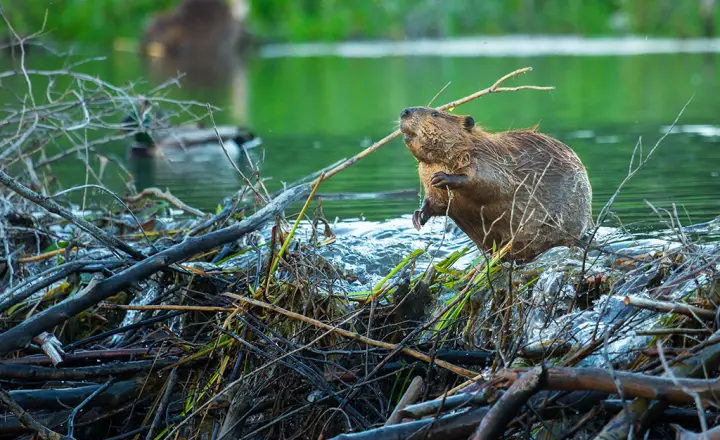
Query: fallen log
(633, 384)
(62, 398)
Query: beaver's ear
(469, 123)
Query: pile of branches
(233, 325)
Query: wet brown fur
(512, 179)
(194, 28)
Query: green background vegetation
(92, 21)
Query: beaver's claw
(444, 180)
(419, 219)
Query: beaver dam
(134, 315)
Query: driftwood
(684, 434)
(167, 196)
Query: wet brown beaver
(196, 28)
(519, 185)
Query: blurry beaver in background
(519, 185)
(194, 28)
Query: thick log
(633, 384)
(62, 398)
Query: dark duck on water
(156, 134)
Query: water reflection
(208, 72)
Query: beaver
(196, 28)
(520, 184)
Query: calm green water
(311, 112)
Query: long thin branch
(162, 407)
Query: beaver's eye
(435, 114)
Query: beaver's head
(429, 133)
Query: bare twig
(167, 196)
(76, 410)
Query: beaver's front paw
(449, 181)
(419, 218)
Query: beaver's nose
(405, 113)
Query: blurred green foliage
(86, 21)
(93, 21)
